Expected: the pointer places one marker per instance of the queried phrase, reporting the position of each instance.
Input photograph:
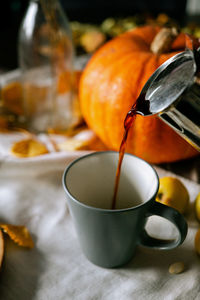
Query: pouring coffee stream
(173, 94)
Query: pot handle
(172, 215)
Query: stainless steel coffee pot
(173, 93)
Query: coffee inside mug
(91, 181)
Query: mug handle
(172, 215)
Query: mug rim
(105, 210)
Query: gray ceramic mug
(109, 237)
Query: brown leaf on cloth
(73, 144)
(19, 234)
(28, 148)
(84, 140)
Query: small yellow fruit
(176, 268)
(197, 206)
(172, 192)
(197, 242)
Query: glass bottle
(46, 58)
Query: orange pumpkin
(110, 85)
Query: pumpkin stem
(163, 40)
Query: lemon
(197, 206)
(172, 192)
(197, 242)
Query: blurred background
(89, 11)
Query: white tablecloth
(31, 193)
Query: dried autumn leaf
(91, 40)
(81, 139)
(73, 144)
(28, 148)
(19, 234)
